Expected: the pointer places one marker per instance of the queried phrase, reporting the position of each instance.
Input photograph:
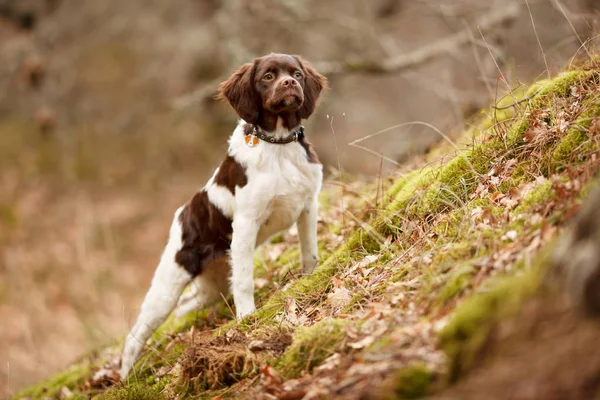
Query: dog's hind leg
(211, 286)
(169, 281)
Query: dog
(269, 180)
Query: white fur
(167, 284)
(282, 188)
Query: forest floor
(431, 283)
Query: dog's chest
(286, 184)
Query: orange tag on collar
(251, 140)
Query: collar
(295, 135)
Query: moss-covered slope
(412, 278)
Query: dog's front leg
(243, 244)
(307, 235)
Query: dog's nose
(289, 82)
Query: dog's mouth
(287, 100)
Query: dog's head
(275, 84)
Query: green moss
(514, 135)
(407, 189)
(569, 146)
(469, 327)
(413, 382)
(51, 387)
(135, 392)
(537, 197)
(505, 108)
(561, 85)
(311, 345)
(451, 186)
(289, 257)
(277, 239)
(452, 252)
(458, 281)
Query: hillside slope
(430, 282)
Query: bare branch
(424, 54)
(394, 64)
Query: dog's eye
(298, 74)
(268, 76)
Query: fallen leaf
(515, 193)
(256, 345)
(339, 298)
(269, 372)
(337, 282)
(497, 196)
(65, 393)
(164, 370)
(330, 363)
(290, 310)
(364, 342)
(363, 263)
(510, 236)
(488, 218)
(260, 283)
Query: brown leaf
(293, 395)
(337, 282)
(487, 217)
(339, 298)
(290, 310)
(515, 193)
(269, 372)
(103, 377)
(497, 196)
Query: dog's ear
(314, 84)
(240, 93)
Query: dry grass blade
(537, 37)
(412, 123)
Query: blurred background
(108, 124)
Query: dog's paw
(309, 264)
(242, 312)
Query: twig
(538, 38)
(228, 305)
(428, 125)
(556, 4)
(531, 96)
(339, 165)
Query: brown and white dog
(269, 180)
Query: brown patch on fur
(224, 360)
(315, 83)
(206, 234)
(310, 151)
(231, 174)
(239, 91)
